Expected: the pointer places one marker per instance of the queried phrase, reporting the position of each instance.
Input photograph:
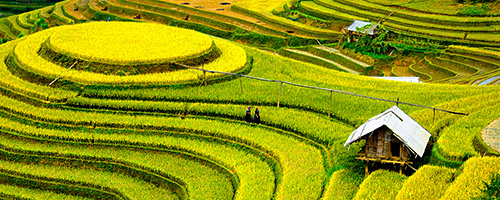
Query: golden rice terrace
(146, 99)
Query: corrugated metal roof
(357, 24)
(412, 134)
(403, 79)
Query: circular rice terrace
(124, 53)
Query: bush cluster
(476, 1)
(492, 190)
(474, 10)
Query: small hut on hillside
(391, 137)
(359, 28)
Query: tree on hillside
(39, 25)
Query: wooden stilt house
(391, 137)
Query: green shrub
(492, 191)
(364, 51)
(293, 4)
(482, 1)
(474, 10)
(40, 24)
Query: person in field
(248, 116)
(256, 118)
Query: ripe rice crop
(343, 185)
(429, 182)
(201, 179)
(457, 141)
(14, 83)
(128, 43)
(381, 184)
(128, 186)
(326, 131)
(295, 180)
(347, 108)
(470, 182)
(233, 58)
(289, 156)
(457, 132)
(29, 193)
(478, 51)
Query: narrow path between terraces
(491, 135)
(347, 69)
(336, 51)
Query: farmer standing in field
(248, 116)
(256, 118)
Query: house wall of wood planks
(384, 145)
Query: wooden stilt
(367, 170)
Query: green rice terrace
(146, 99)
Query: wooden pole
(241, 85)
(330, 107)
(279, 96)
(205, 77)
(410, 167)
(59, 76)
(434, 116)
(328, 89)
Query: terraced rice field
(98, 116)
(248, 23)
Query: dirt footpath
(217, 6)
